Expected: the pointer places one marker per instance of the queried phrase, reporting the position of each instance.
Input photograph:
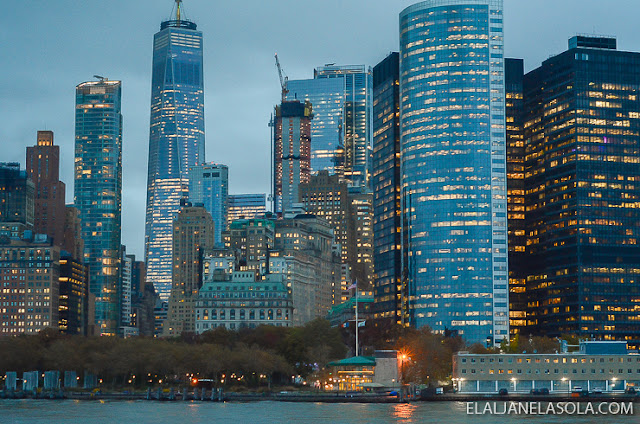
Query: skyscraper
(176, 138)
(385, 181)
(452, 128)
(98, 192)
(292, 151)
(513, 80)
(582, 156)
(192, 236)
(43, 167)
(327, 196)
(209, 185)
(341, 129)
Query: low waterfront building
(604, 366)
(364, 373)
(241, 300)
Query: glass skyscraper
(98, 193)
(176, 139)
(209, 185)
(582, 182)
(341, 126)
(388, 289)
(452, 126)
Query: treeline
(249, 357)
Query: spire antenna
(178, 2)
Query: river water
(139, 412)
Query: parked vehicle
(543, 391)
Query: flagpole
(357, 323)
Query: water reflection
(404, 411)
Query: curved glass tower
(176, 139)
(452, 126)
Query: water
(139, 412)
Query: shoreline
(313, 397)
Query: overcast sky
(50, 46)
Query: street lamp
(403, 357)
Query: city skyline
(233, 58)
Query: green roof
(366, 361)
(350, 304)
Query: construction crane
(284, 80)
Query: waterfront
(138, 412)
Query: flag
(361, 323)
(353, 286)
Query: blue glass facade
(209, 185)
(388, 288)
(452, 126)
(327, 100)
(176, 139)
(341, 127)
(98, 193)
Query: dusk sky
(48, 47)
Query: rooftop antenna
(101, 78)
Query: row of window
(555, 371)
(563, 360)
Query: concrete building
(303, 252)
(361, 216)
(43, 168)
(249, 240)
(30, 275)
(72, 235)
(193, 234)
(243, 300)
(349, 210)
(599, 366)
(327, 197)
(291, 152)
